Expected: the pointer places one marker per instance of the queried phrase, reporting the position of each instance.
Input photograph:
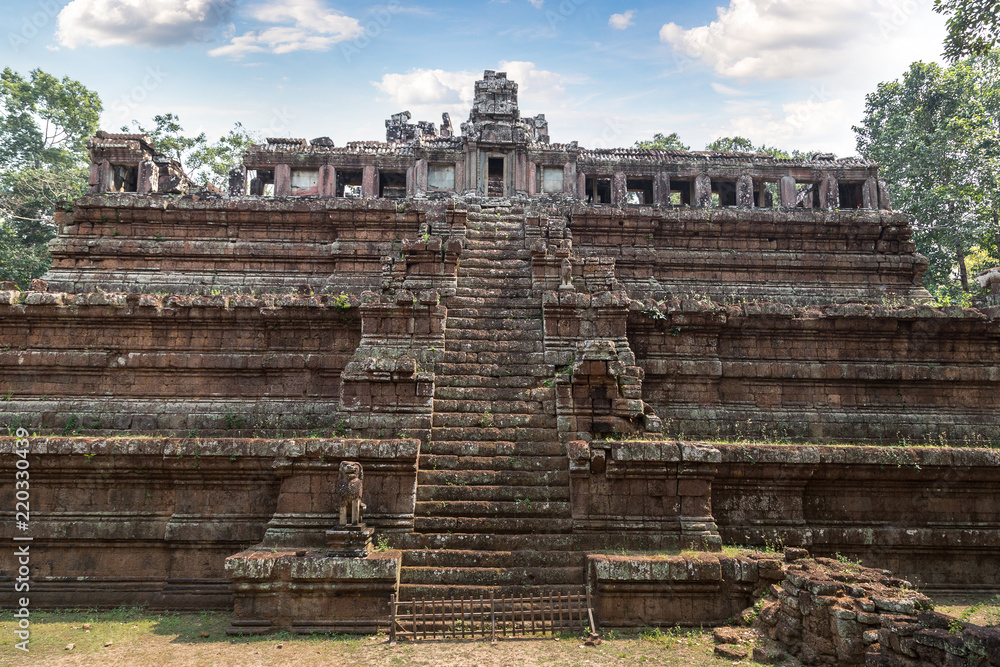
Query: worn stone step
(492, 576)
(492, 448)
(453, 357)
(486, 542)
(493, 370)
(515, 344)
(493, 243)
(479, 406)
(521, 434)
(494, 477)
(496, 231)
(539, 394)
(497, 420)
(487, 253)
(477, 286)
(498, 261)
(464, 557)
(493, 524)
(495, 334)
(500, 380)
(493, 270)
(455, 338)
(497, 298)
(488, 449)
(448, 592)
(529, 331)
(496, 220)
(521, 310)
(511, 493)
(484, 509)
(525, 462)
(531, 323)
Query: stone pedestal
(350, 541)
(306, 591)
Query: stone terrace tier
(213, 245)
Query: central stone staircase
(492, 506)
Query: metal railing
(533, 614)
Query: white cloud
(426, 87)
(295, 25)
(783, 39)
(436, 90)
(809, 124)
(537, 4)
(622, 21)
(140, 22)
(729, 91)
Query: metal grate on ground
(507, 616)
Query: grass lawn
(133, 636)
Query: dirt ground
(131, 636)
(135, 637)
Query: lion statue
(349, 490)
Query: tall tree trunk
(996, 234)
(963, 272)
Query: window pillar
(282, 180)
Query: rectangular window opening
(441, 177)
(765, 193)
(261, 180)
(726, 192)
(305, 182)
(496, 167)
(851, 195)
(349, 184)
(640, 191)
(680, 193)
(598, 190)
(551, 180)
(126, 178)
(494, 176)
(392, 184)
(807, 195)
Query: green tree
(744, 145)
(44, 126)
(973, 27)
(167, 136)
(670, 142)
(210, 163)
(935, 132)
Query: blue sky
(791, 73)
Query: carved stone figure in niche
(349, 489)
(566, 274)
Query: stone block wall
(836, 612)
(934, 640)
(930, 514)
(151, 521)
(280, 589)
(158, 243)
(206, 244)
(688, 590)
(793, 257)
(152, 363)
(824, 373)
(633, 487)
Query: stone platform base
(308, 591)
(349, 541)
(694, 589)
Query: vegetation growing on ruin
(934, 131)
